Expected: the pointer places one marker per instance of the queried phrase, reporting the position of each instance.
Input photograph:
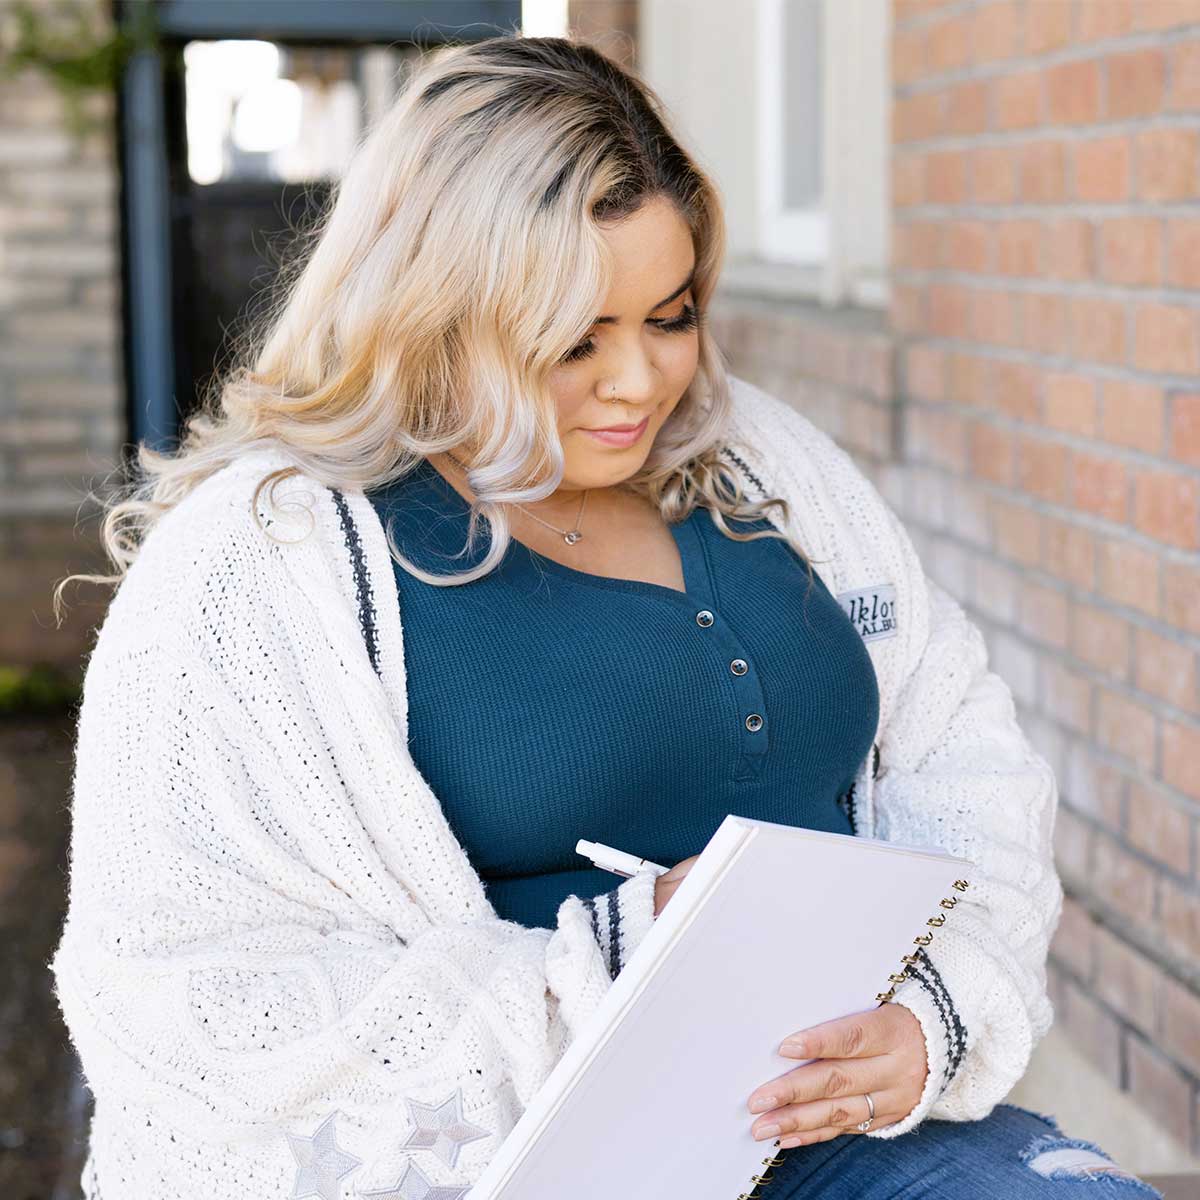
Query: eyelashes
(686, 322)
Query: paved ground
(1177, 1187)
(43, 1106)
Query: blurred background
(964, 239)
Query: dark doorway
(232, 136)
(267, 130)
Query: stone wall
(61, 390)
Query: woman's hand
(666, 884)
(881, 1051)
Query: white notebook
(774, 929)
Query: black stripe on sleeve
(955, 1031)
(614, 934)
(745, 468)
(362, 582)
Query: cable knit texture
(280, 970)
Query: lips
(620, 435)
(619, 428)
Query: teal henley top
(548, 704)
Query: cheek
(678, 368)
(570, 403)
(681, 356)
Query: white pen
(618, 861)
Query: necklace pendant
(572, 537)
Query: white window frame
(792, 235)
(838, 248)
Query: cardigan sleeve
(214, 969)
(955, 771)
(958, 772)
(981, 791)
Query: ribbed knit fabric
(279, 967)
(548, 704)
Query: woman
(327, 930)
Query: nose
(635, 385)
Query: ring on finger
(863, 1126)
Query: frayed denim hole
(1056, 1157)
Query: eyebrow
(683, 287)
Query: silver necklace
(570, 536)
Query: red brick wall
(1046, 301)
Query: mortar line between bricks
(1170, 555)
(1126, 1031)
(1067, 135)
(1024, 285)
(1176, 555)
(1023, 357)
(1041, 575)
(1093, 210)
(1134, 851)
(1067, 658)
(1075, 51)
(934, 17)
(1039, 210)
(1174, 965)
(1068, 971)
(1159, 460)
(1093, 372)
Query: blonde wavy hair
(456, 262)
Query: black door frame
(142, 125)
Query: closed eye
(686, 322)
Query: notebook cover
(774, 929)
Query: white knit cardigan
(278, 966)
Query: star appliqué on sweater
(442, 1128)
(414, 1184)
(321, 1163)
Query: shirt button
(754, 722)
(738, 666)
(704, 617)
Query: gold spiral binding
(897, 977)
(922, 939)
(774, 1161)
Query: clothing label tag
(872, 609)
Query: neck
(563, 501)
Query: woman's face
(643, 350)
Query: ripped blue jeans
(1012, 1152)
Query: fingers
(823, 1079)
(818, 1120)
(809, 1137)
(857, 1036)
(844, 1059)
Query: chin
(607, 468)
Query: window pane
(802, 90)
(267, 111)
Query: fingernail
(793, 1046)
(766, 1131)
(763, 1103)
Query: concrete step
(1176, 1187)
